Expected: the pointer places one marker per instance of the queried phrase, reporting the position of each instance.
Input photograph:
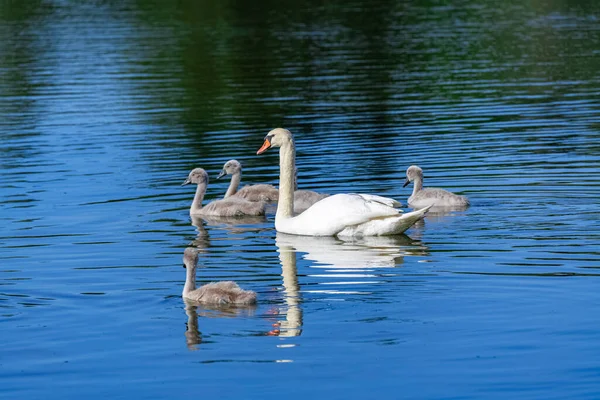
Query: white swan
(337, 215)
(303, 199)
(260, 192)
(430, 196)
(233, 207)
(215, 293)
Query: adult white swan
(337, 215)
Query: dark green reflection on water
(335, 59)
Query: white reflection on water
(352, 261)
(290, 323)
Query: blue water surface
(107, 106)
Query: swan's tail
(385, 226)
(409, 219)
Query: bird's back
(233, 207)
(260, 192)
(223, 293)
(303, 199)
(334, 213)
(437, 197)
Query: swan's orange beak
(264, 147)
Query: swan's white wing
(333, 214)
(388, 201)
(385, 226)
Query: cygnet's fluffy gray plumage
(303, 199)
(260, 192)
(215, 293)
(430, 196)
(231, 207)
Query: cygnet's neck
(233, 185)
(198, 197)
(287, 161)
(190, 278)
(418, 184)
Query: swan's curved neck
(418, 184)
(190, 279)
(234, 184)
(287, 161)
(198, 197)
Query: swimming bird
(215, 293)
(430, 196)
(303, 199)
(233, 207)
(336, 215)
(259, 192)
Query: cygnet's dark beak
(186, 182)
(184, 265)
(406, 182)
(223, 173)
(265, 145)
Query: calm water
(106, 106)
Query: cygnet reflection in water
(194, 310)
(232, 224)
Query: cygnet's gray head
(190, 257)
(231, 167)
(197, 176)
(412, 173)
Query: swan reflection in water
(351, 261)
(289, 317)
(349, 258)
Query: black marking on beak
(406, 182)
(221, 174)
(266, 145)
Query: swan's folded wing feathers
(388, 201)
(334, 213)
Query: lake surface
(106, 107)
